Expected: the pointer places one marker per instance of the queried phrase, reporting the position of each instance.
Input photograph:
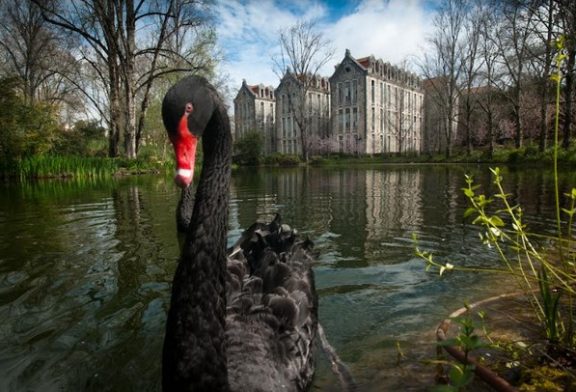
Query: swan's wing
(271, 323)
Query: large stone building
(376, 108)
(366, 107)
(315, 113)
(254, 110)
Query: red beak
(185, 149)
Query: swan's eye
(188, 108)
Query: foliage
(26, 129)
(248, 149)
(86, 138)
(462, 374)
(547, 379)
(278, 159)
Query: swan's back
(271, 318)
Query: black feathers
(272, 317)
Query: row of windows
(316, 102)
(402, 98)
(347, 92)
(288, 128)
(348, 119)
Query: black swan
(242, 320)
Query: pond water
(85, 268)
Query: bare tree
(127, 62)
(471, 62)
(400, 123)
(35, 53)
(568, 29)
(443, 65)
(544, 29)
(303, 52)
(513, 39)
(487, 100)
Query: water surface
(85, 268)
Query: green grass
(80, 167)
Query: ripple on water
(85, 273)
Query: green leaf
(469, 211)
(467, 376)
(496, 221)
(469, 192)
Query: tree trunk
(114, 132)
(545, 81)
(130, 82)
(304, 141)
(490, 135)
(518, 134)
(467, 125)
(568, 93)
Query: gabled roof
(348, 59)
(317, 82)
(381, 69)
(257, 91)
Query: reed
(51, 166)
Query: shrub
(278, 159)
(248, 149)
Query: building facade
(314, 113)
(254, 110)
(376, 108)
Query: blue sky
(394, 30)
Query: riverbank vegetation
(509, 155)
(543, 266)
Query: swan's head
(186, 110)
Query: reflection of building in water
(393, 206)
(254, 198)
(365, 208)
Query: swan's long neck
(194, 347)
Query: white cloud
(248, 32)
(393, 31)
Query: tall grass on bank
(45, 166)
(80, 167)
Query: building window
(373, 118)
(340, 91)
(355, 119)
(347, 93)
(372, 90)
(354, 91)
(347, 128)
